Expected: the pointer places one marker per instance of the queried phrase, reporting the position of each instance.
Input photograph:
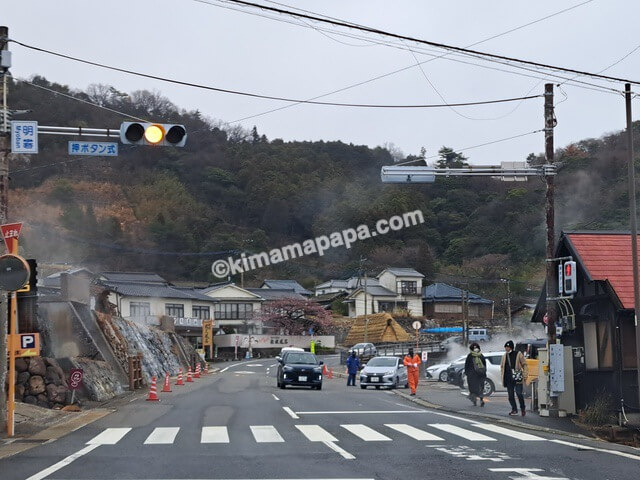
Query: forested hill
(230, 189)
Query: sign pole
(13, 315)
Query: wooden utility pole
(510, 326)
(4, 190)
(634, 225)
(552, 280)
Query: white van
(478, 334)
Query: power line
(268, 97)
(443, 46)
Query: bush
(599, 412)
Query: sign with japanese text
(24, 136)
(207, 333)
(10, 233)
(26, 344)
(96, 149)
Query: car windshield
(382, 362)
(300, 358)
(361, 345)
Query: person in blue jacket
(353, 365)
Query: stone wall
(41, 381)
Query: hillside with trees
(175, 210)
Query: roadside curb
(495, 418)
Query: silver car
(384, 372)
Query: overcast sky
(202, 42)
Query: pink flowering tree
(295, 316)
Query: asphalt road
(238, 425)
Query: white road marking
(274, 396)
(290, 412)
(254, 365)
(315, 433)
(366, 433)
(266, 434)
(63, 463)
(214, 435)
(341, 451)
(342, 412)
(244, 372)
(274, 365)
(526, 473)
(462, 432)
(110, 436)
(162, 436)
(414, 432)
(235, 365)
(527, 437)
(612, 452)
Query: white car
(493, 382)
(438, 372)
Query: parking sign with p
(26, 344)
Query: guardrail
(395, 350)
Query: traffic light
(570, 278)
(165, 134)
(31, 287)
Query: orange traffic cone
(189, 379)
(167, 385)
(206, 368)
(180, 382)
(324, 370)
(153, 392)
(197, 375)
(331, 373)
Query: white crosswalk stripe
(414, 432)
(162, 436)
(266, 434)
(315, 433)
(526, 437)
(366, 433)
(110, 436)
(214, 435)
(462, 432)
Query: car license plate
(302, 378)
(375, 379)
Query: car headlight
(390, 372)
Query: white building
(235, 307)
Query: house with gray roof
(443, 303)
(286, 285)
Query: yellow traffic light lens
(154, 134)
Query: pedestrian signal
(139, 133)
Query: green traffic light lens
(175, 134)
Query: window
(473, 310)
(175, 310)
(448, 308)
(201, 312)
(494, 359)
(391, 306)
(598, 345)
(140, 309)
(233, 311)
(408, 288)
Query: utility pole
(465, 327)
(4, 190)
(552, 280)
(509, 324)
(366, 319)
(634, 225)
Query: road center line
(276, 398)
(290, 412)
(342, 412)
(63, 463)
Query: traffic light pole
(4, 189)
(552, 279)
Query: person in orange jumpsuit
(412, 362)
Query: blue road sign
(94, 149)
(24, 136)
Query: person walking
(475, 368)
(353, 365)
(514, 372)
(412, 362)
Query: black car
(299, 368)
(455, 374)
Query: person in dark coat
(514, 372)
(353, 365)
(475, 369)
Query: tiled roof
(276, 293)
(375, 291)
(155, 291)
(442, 292)
(286, 285)
(606, 256)
(403, 272)
(134, 277)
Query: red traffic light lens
(567, 269)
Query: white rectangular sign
(95, 149)
(24, 136)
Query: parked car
(384, 372)
(299, 368)
(368, 349)
(437, 371)
(447, 343)
(478, 334)
(493, 381)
